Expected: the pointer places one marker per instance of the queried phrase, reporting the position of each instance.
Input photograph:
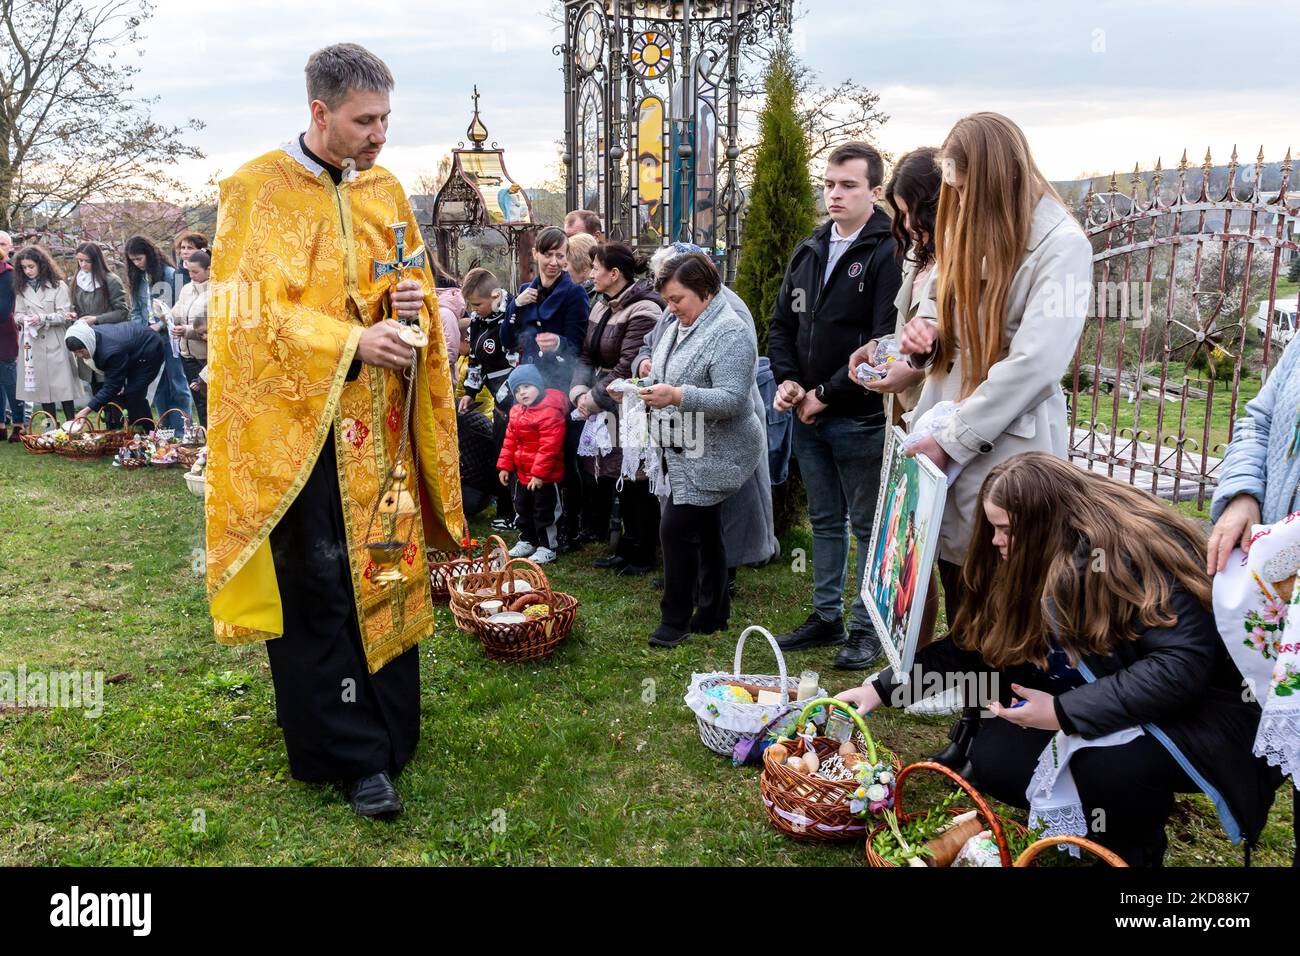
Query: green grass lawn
(589, 758)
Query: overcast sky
(1095, 85)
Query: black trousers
(505, 497)
(639, 510)
(572, 489)
(597, 501)
(69, 409)
(695, 555)
(1127, 792)
(537, 514)
(192, 368)
(340, 722)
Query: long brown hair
(48, 273)
(984, 230)
(1096, 557)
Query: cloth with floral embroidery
(1250, 600)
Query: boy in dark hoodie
(490, 365)
(534, 450)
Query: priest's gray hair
(335, 71)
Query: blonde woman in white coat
(43, 311)
(1008, 306)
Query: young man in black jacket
(838, 294)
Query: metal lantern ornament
(480, 196)
(651, 103)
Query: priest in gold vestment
(306, 403)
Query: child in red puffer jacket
(534, 449)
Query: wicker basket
(114, 438)
(723, 724)
(995, 824)
(82, 429)
(1032, 851)
(31, 438)
(447, 566)
(468, 590)
(807, 807)
(532, 640)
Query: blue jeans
(839, 459)
(11, 410)
(173, 391)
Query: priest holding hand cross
(329, 382)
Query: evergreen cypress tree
(782, 206)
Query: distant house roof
(112, 222)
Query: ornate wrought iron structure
(651, 105)
(1182, 280)
(480, 195)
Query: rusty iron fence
(1186, 323)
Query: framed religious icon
(904, 542)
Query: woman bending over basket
(1087, 627)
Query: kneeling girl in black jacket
(1088, 608)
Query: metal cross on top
(412, 334)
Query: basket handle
(153, 426)
(178, 411)
(829, 702)
(776, 649)
(40, 411)
(103, 419)
(994, 822)
(524, 562)
(495, 544)
(1037, 847)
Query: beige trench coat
(1020, 406)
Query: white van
(1284, 321)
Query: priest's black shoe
(665, 636)
(629, 570)
(859, 651)
(374, 796)
(814, 632)
(609, 562)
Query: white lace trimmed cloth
(1054, 802)
(1254, 619)
(639, 453)
(1278, 737)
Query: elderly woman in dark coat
(625, 309)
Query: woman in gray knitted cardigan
(705, 440)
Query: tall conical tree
(782, 205)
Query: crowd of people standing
(624, 401)
(60, 335)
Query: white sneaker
(543, 556)
(524, 550)
(939, 705)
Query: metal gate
(1186, 323)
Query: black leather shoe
(814, 632)
(956, 755)
(702, 625)
(374, 796)
(665, 636)
(609, 561)
(859, 651)
(626, 570)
